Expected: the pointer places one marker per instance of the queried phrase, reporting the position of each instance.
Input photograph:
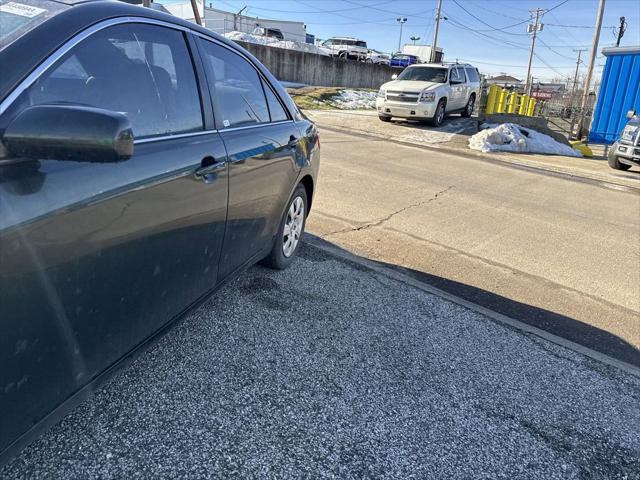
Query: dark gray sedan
(143, 162)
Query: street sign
(542, 95)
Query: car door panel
(261, 141)
(95, 258)
(262, 171)
(119, 251)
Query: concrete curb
(495, 316)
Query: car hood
(410, 85)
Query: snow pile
(509, 137)
(274, 42)
(354, 100)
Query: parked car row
(429, 92)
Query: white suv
(429, 91)
(346, 47)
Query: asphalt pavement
(331, 370)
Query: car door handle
(209, 166)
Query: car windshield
(360, 43)
(425, 74)
(17, 18)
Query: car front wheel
(438, 116)
(290, 231)
(384, 118)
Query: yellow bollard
(511, 102)
(491, 99)
(532, 107)
(502, 100)
(524, 102)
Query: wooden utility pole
(575, 78)
(434, 44)
(535, 27)
(196, 12)
(592, 60)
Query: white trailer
(423, 52)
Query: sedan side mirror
(394, 76)
(69, 132)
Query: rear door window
(472, 74)
(143, 71)
(236, 87)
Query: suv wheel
(613, 161)
(468, 110)
(438, 116)
(384, 118)
(342, 54)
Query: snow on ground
(509, 137)
(274, 42)
(354, 100)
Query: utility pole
(592, 60)
(196, 12)
(621, 30)
(235, 17)
(533, 28)
(434, 44)
(575, 78)
(401, 21)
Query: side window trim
(203, 87)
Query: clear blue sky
(477, 35)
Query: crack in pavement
(377, 223)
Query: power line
(492, 28)
(554, 51)
(394, 12)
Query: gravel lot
(329, 370)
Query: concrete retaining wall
(319, 70)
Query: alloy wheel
(293, 226)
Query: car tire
(613, 161)
(384, 118)
(293, 219)
(439, 114)
(342, 55)
(468, 109)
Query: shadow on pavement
(554, 323)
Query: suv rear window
(18, 17)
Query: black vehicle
(143, 162)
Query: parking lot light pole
(401, 21)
